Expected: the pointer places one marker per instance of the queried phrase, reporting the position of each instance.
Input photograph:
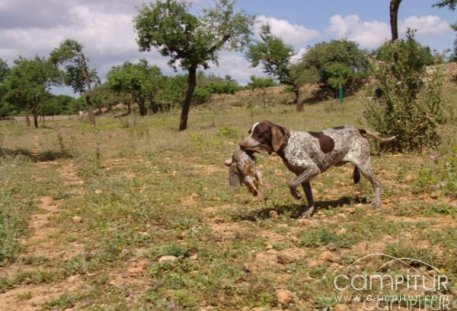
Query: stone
(341, 307)
(77, 219)
(168, 258)
(328, 256)
(341, 231)
(284, 296)
(74, 278)
(315, 263)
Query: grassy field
(135, 215)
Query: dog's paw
(376, 204)
(307, 214)
(294, 193)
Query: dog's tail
(356, 175)
(376, 136)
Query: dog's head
(265, 136)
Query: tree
(393, 10)
(172, 92)
(262, 84)
(5, 108)
(77, 73)
(140, 82)
(339, 75)
(451, 4)
(275, 56)
(326, 60)
(4, 70)
(28, 83)
(191, 41)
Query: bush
(410, 105)
(338, 62)
(201, 95)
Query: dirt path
(44, 242)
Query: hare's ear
(234, 177)
(228, 162)
(277, 138)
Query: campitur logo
(384, 282)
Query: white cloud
(367, 34)
(431, 25)
(371, 34)
(298, 55)
(290, 33)
(106, 37)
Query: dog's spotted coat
(308, 154)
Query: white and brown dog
(308, 154)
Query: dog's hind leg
(365, 169)
(356, 175)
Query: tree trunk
(152, 104)
(35, 120)
(297, 100)
(191, 82)
(90, 110)
(129, 107)
(394, 6)
(142, 107)
(27, 120)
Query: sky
(105, 28)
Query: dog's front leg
(309, 172)
(309, 197)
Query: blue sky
(105, 27)
(316, 14)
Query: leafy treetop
(187, 39)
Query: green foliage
(338, 60)
(6, 109)
(273, 54)
(102, 97)
(173, 91)
(188, 38)
(77, 73)
(451, 4)
(138, 82)
(339, 75)
(201, 95)
(28, 83)
(422, 56)
(217, 85)
(191, 40)
(410, 105)
(4, 70)
(260, 83)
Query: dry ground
(136, 216)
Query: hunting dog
(308, 154)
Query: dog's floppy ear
(277, 137)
